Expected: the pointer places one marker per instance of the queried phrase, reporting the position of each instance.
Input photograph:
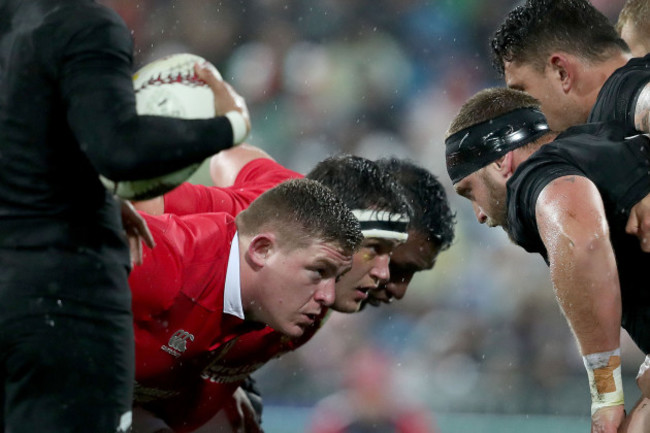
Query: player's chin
(348, 306)
(295, 330)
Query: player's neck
(607, 67)
(521, 154)
(598, 73)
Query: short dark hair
(488, 104)
(637, 12)
(301, 211)
(531, 32)
(432, 215)
(361, 184)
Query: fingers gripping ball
(167, 87)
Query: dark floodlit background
(479, 340)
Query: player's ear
(563, 69)
(260, 248)
(504, 166)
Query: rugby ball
(167, 87)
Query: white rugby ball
(167, 87)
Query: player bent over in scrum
(213, 277)
(567, 197)
(365, 188)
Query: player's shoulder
(541, 165)
(82, 24)
(635, 63)
(193, 235)
(589, 134)
(82, 14)
(618, 93)
(206, 222)
(265, 168)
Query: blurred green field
(279, 419)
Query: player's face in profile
(417, 254)
(546, 87)
(369, 269)
(299, 283)
(488, 197)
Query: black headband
(473, 148)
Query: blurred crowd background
(481, 332)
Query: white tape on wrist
(239, 129)
(605, 383)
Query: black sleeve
(97, 90)
(524, 188)
(618, 97)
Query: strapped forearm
(605, 383)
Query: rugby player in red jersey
(432, 233)
(379, 205)
(215, 276)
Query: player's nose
(380, 271)
(480, 214)
(326, 292)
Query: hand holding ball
(183, 86)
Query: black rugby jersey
(617, 98)
(67, 113)
(619, 168)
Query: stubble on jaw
(497, 195)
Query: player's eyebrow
(330, 265)
(462, 190)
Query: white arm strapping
(239, 129)
(605, 383)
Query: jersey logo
(177, 343)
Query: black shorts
(66, 333)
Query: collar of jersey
(232, 293)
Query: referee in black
(67, 115)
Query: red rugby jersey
(252, 180)
(219, 380)
(178, 302)
(206, 394)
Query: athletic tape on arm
(239, 129)
(605, 383)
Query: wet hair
(636, 12)
(361, 184)
(302, 211)
(488, 104)
(432, 215)
(531, 32)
